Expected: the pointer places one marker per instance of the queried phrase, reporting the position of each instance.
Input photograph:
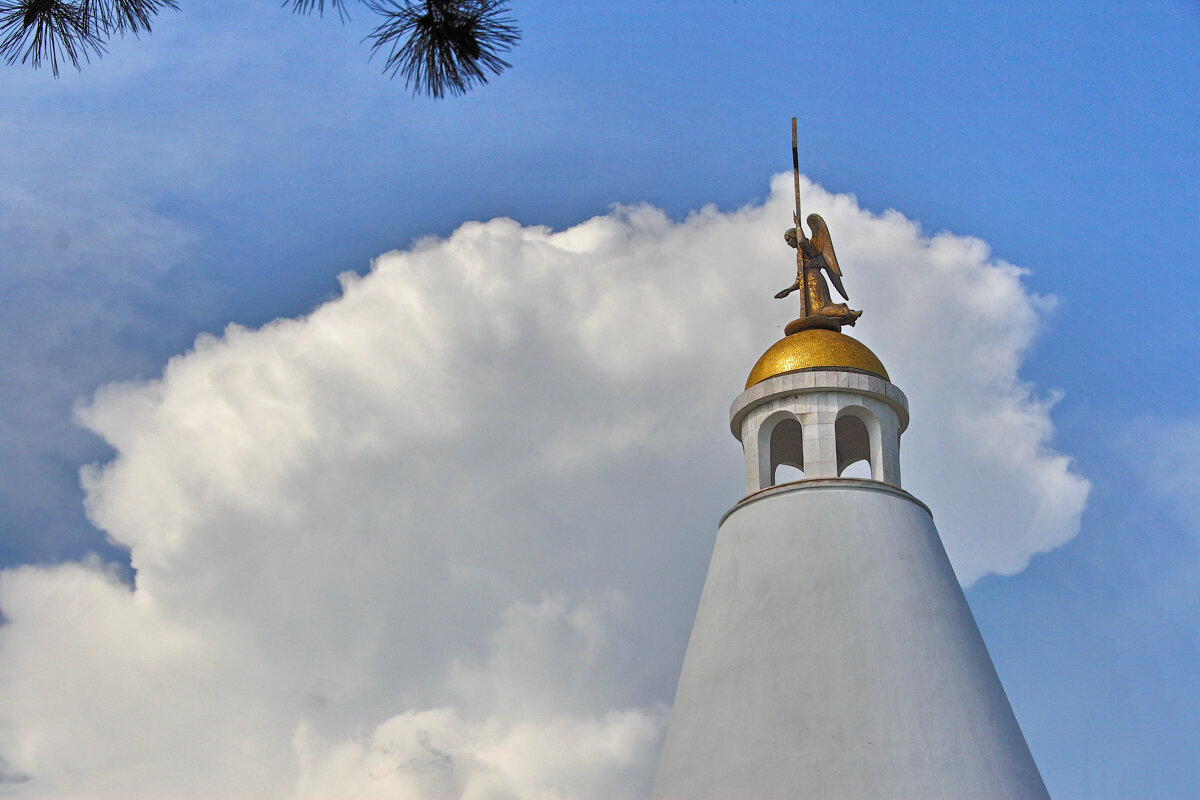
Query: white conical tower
(833, 655)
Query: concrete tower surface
(833, 654)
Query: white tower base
(834, 656)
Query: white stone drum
(828, 419)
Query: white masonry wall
(818, 399)
(834, 657)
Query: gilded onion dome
(815, 348)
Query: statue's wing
(823, 244)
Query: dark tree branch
(309, 6)
(440, 46)
(443, 46)
(122, 16)
(37, 31)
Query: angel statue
(812, 256)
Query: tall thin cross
(800, 237)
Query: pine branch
(440, 46)
(443, 46)
(37, 31)
(122, 16)
(56, 31)
(309, 6)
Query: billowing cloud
(444, 536)
(526, 735)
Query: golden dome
(815, 348)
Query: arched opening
(780, 450)
(787, 452)
(858, 469)
(856, 433)
(786, 473)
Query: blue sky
(230, 166)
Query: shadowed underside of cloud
(443, 537)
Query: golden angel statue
(812, 256)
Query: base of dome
(809, 323)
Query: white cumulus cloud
(444, 536)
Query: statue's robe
(820, 304)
